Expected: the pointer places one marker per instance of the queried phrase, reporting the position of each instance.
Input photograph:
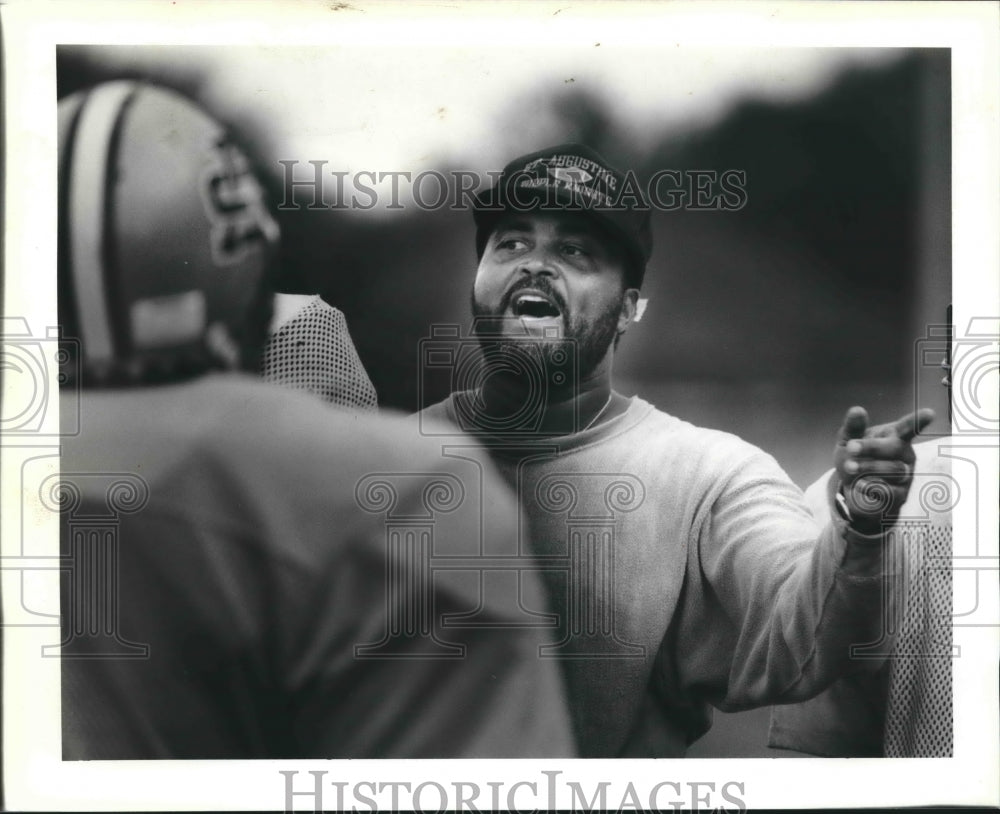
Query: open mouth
(534, 306)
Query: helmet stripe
(87, 190)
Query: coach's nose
(540, 261)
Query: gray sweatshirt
(683, 571)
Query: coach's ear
(628, 311)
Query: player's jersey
(239, 558)
(312, 350)
(905, 708)
(684, 571)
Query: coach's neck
(551, 410)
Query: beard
(586, 342)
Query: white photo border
(35, 778)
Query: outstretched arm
(774, 603)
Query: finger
(886, 448)
(889, 471)
(855, 424)
(911, 425)
(882, 431)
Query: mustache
(541, 284)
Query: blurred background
(768, 321)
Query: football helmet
(166, 246)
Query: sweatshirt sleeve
(773, 601)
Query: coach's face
(556, 272)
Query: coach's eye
(512, 244)
(574, 250)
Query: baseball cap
(571, 177)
